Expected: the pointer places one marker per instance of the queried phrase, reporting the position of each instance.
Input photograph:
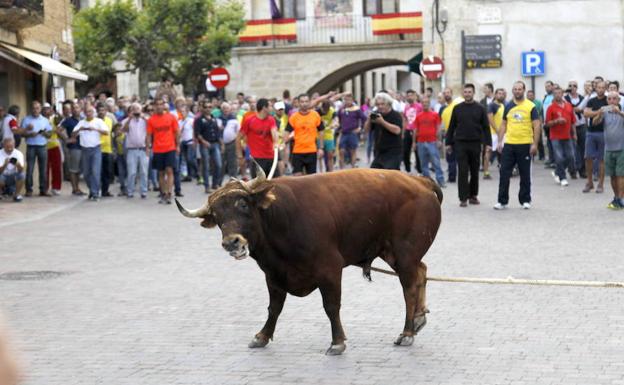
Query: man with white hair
(137, 153)
(612, 118)
(386, 123)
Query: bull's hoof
(258, 342)
(419, 323)
(404, 340)
(336, 350)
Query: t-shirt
(595, 104)
(230, 128)
(68, 124)
(90, 138)
(411, 111)
(576, 102)
(613, 130)
(386, 141)
(186, 128)
(519, 118)
(350, 119)
(447, 111)
(426, 124)
(11, 169)
(258, 133)
(566, 111)
(306, 129)
(548, 99)
(328, 118)
(496, 109)
(137, 131)
(53, 140)
(39, 123)
(9, 123)
(164, 128)
(105, 140)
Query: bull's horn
(199, 213)
(260, 175)
(274, 165)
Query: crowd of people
(160, 143)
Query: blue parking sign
(533, 63)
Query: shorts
(594, 145)
(73, 164)
(614, 163)
(163, 160)
(304, 162)
(9, 180)
(266, 165)
(349, 141)
(494, 142)
(330, 145)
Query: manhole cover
(32, 275)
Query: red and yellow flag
(395, 23)
(278, 29)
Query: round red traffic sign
(219, 77)
(432, 67)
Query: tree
(179, 39)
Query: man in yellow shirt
(446, 111)
(521, 129)
(107, 150)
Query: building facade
(36, 52)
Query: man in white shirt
(137, 154)
(231, 127)
(90, 131)
(187, 145)
(11, 169)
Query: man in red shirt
(260, 132)
(560, 118)
(163, 136)
(426, 131)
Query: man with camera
(11, 169)
(36, 129)
(386, 123)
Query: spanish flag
(396, 23)
(261, 30)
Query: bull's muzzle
(236, 245)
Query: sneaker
(500, 206)
(162, 200)
(179, 194)
(168, 200)
(56, 192)
(200, 180)
(463, 204)
(474, 201)
(143, 196)
(557, 180)
(615, 204)
(588, 188)
(564, 182)
(526, 205)
(18, 198)
(487, 176)
(78, 193)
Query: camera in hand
(13, 160)
(374, 115)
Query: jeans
(408, 137)
(92, 168)
(122, 172)
(41, 154)
(177, 187)
(152, 174)
(231, 162)
(563, 151)
(452, 166)
(468, 159)
(211, 155)
(581, 132)
(515, 154)
(187, 153)
(136, 159)
(428, 152)
(107, 172)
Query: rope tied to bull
(515, 281)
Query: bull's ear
(209, 221)
(263, 196)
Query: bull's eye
(242, 204)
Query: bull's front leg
(331, 292)
(277, 297)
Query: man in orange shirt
(163, 137)
(305, 125)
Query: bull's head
(235, 209)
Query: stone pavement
(151, 298)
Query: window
(375, 7)
(293, 9)
(383, 81)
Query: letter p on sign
(533, 63)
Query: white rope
(515, 281)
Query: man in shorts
(163, 135)
(594, 140)
(612, 118)
(74, 152)
(305, 125)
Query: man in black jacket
(468, 130)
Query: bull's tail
(433, 186)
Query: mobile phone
(13, 160)
(374, 115)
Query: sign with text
(483, 51)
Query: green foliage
(180, 39)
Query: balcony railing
(18, 14)
(326, 30)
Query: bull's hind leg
(413, 279)
(331, 292)
(277, 297)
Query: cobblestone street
(151, 298)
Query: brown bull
(303, 231)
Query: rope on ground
(515, 281)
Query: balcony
(19, 14)
(332, 30)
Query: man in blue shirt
(37, 130)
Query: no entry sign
(432, 67)
(219, 77)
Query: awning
(47, 64)
(414, 63)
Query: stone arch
(342, 74)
